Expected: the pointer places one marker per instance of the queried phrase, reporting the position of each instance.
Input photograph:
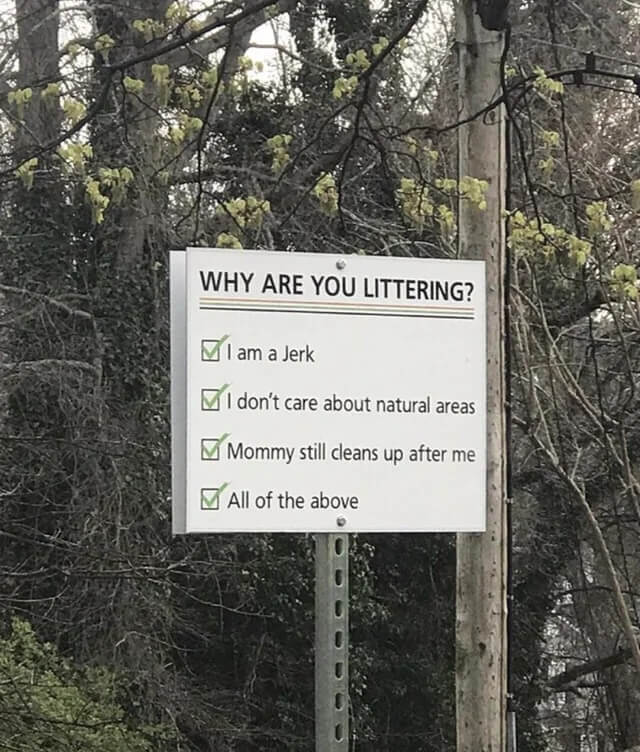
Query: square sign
(327, 393)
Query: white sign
(328, 393)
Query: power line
(623, 61)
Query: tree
(574, 308)
(158, 133)
(47, 703)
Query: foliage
(278, 145)
(26, 170)
(20, 98)
(325, 191)
(48, 704)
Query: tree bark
(38, 28)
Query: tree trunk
(38, 27)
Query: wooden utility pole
(481, 644)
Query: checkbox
(210, 497)
(210, 448)
(210, 349)
(210, 399)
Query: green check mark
(210, 398)
(210, 348)
(209, 447)
(210, 497)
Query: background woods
(130, 129)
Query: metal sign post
(332, 642)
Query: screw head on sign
(341, 263)
(342, 521)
